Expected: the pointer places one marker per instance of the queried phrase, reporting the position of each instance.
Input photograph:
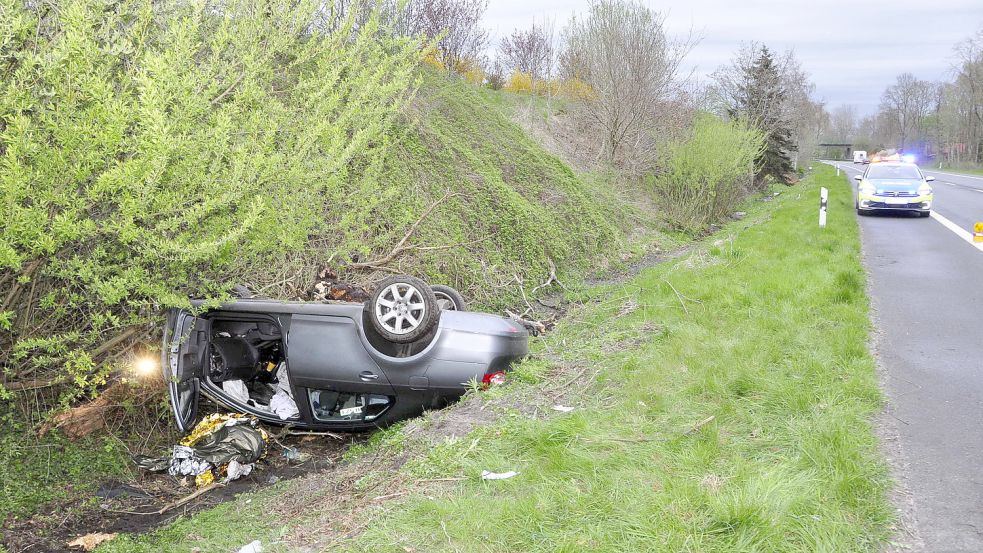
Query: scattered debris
(89, 542)
(329, 288)
(562, 408)
(236, 470)
(738, 215)
(487, 475)
(252, 547)
(294, 454)
(536, 328)
(212, 446)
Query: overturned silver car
(341, 366)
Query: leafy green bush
(151, 150)
(706, 174)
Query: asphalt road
(926, 283)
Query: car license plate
(897, 201)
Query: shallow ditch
(134, 506)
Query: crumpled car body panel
(330, 352)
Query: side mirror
(929, 179)
(858, 177)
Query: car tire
(925, 214)
(449, 299)
(403, 309)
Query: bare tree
(455, 25)
(621, 50)
(843, 124)
(906, 103)
(529, 51)
(968, 94)
(806, 115)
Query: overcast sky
(852, 49)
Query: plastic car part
(493, 379)
(403, 309)
(448, 299)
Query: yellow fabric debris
(204, 479)
(209, 424)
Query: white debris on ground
(252, 547)
(237, 470)
(562, 408)
(488, 475)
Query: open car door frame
(182, 355)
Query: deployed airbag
(282, 403)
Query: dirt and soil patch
(153, 500)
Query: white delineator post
(823, 201)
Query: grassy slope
(774, 346)
(771, 343)
(517, 208)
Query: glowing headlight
(867, 188)
(924, 190)
(145, 366)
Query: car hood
(896, 185)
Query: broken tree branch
(699, 425)
(682, 299)
(550, 280)
(401, 246)
(184, 500)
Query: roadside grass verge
(965, 168)
(767, 334)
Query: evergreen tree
(760, 100)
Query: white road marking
(957, 230)
(954, 174)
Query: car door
(326, 354)
(182, 361)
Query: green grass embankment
(736, 417)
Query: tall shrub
(706, 174)
(150, 150)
